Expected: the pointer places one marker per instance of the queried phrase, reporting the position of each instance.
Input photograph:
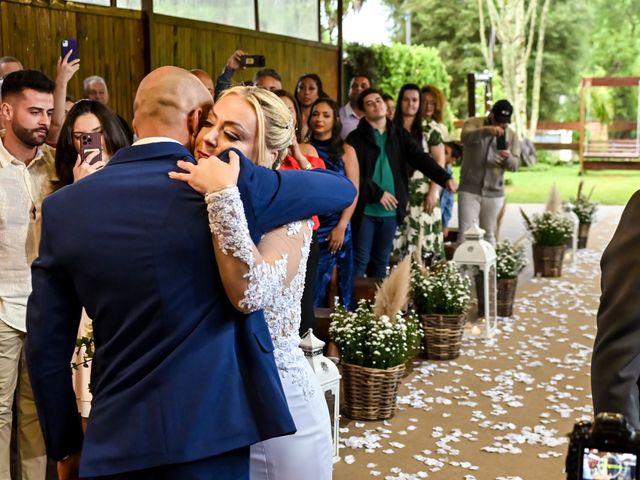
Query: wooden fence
(123, 45)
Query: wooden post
(256, 13)
(340, 51)
(581, 140)
(471, 94)
(147, 29)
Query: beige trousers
(14, 380)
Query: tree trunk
(514, 22)
(537, 73)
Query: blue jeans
(373, 245)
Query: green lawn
(532, 185)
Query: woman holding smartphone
(269, 276)
(89, 119)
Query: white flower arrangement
(379, 335)
(510, 259)
(583, 207)
(373, 341)
(548, 229)
(440, 289)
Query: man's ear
(6, 111)
(194, 121)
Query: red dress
(290, 163)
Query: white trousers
(474, 208)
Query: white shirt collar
(148, 140)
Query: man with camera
(490, 148)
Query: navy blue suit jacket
(178, 373)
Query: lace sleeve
(253, 277)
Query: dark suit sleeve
(615, 365)
(281, 197)
(53, 316)
(421, 160)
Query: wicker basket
(505, 295)
(583, 234)
(442, 335)
(370, 393)
(547, 261)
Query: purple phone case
(69, 44)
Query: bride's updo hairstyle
(275, 129)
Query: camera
(252, 61)
(606, 449)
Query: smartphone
(252, 61)
(89, 143)
(69, 44)
(501, 142)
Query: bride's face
(232, 122)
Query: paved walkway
(500, 411)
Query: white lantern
(329, 377)
(572, 243)
(476, 256)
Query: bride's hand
(210, 174)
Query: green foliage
(510, 259)
(440, 289)
(391, 66)
(375, 342)
(548, 229)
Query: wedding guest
(350, 114)
(308, 90)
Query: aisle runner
(502, 410)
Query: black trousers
(232, 465)
(308, 317)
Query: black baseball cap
(502, 111)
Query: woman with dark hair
(423, 212)
(86, 116)
(308, 90)
(303, 156)
(334, 234)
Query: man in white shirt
(26, 170)
(350, 113)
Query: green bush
(391, 66)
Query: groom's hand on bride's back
(209, 174)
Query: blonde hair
(275, 129)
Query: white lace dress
(274, 281)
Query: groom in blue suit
(182, 382)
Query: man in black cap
(490, 148)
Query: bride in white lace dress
(268, 277)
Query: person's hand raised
(495, 130)
(65, 69)
(210, 174)
(234, 60)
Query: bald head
(170, 102)
(9, 65)
(204, 78)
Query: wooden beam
(556, 146)
(256, 13)
(612, 81)
(612, 165)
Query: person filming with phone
(490, 148)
